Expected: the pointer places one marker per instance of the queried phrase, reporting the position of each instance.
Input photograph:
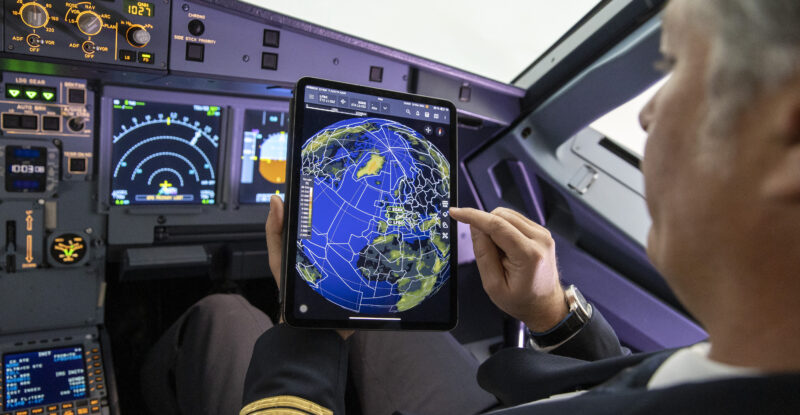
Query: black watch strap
(579, 314)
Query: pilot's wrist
(548, 312)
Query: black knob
(76, 124)
(196, 27)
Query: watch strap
(575, 320)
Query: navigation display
(43, 377)
(373, 235)
(263, 156)
(164, 153)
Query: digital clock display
(26, 169)
(139, 8)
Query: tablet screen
(372, 237)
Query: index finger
(503, 233)
(274, 229)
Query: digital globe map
(379, 239)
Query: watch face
(578, 303)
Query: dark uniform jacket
(305, 372)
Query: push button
(195, 51)
(272, 38)
(146, 57)
(95, 409)
(11, 120)
(269, 61)
(29, 122)
(127, 55)
(37, 411)
(68, 412)
(67, 405)
(83, 411)
(52, 408)
(51, 123)
(196, 27)
(76, 96)
(376, 73)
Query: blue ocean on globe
(379, 238)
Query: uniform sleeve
(296, 371)
(516, 376)
(595, 341)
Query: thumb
(274, 229)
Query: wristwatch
(580, 312)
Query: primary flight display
(164, 153)
(264, 142)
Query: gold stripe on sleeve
(291, 404)
(279, 411)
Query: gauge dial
(164, 153)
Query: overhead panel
(204, 41)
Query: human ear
(783, 180)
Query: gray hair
(755, 49)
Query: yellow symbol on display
(68, 248)
(167, 189)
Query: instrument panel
(136, 137)
(187, 162)
(124, 32)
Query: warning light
(13, 92)
(49, 94)
(31, 93)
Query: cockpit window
(497, 40)
(622, 124)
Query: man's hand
(274, 228)
(517, 262)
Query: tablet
(369, 241)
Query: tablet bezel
(297, 117)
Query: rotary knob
(138, 36)
(89, 23)
(34, 14)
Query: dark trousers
(198, 366)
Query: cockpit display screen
(43, 377)
(263, 156)
(164, 153)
